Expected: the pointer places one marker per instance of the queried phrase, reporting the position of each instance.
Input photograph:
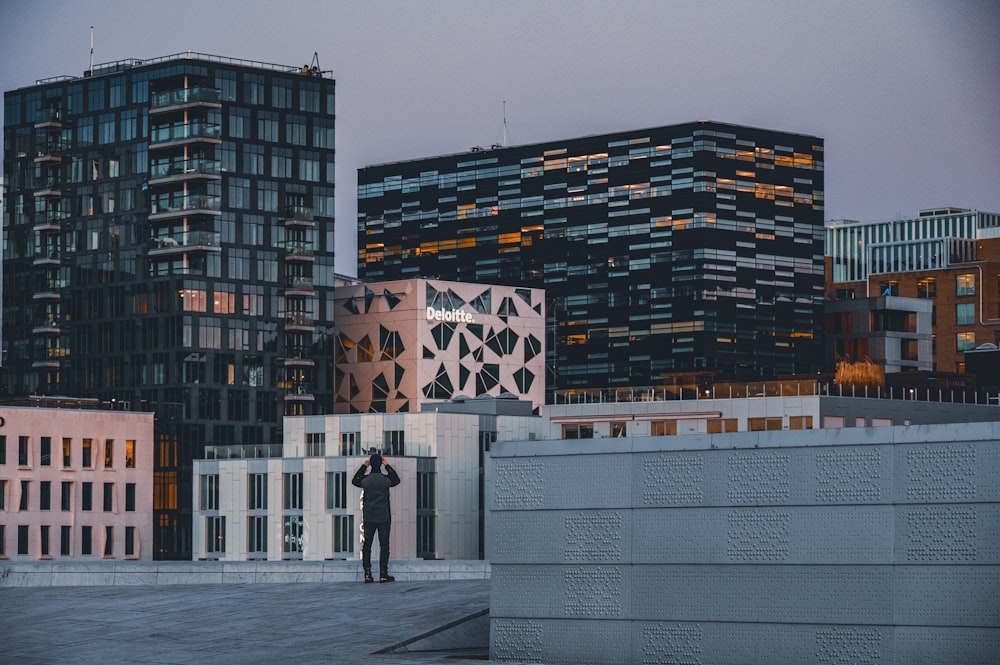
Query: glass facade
(695, 248)
(169, 248)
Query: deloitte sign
(449, 315)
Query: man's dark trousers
(368, 531)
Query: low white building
(75, 483)
(296, 501)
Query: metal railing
(184, 96)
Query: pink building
(75, 483)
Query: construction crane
(312, 69)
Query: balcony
(182, 243)
(298, 356)
(49, 221)
(298, 250)
(50, 258)
(184, 169)
(301, 391)
(298, 284)
(244, 451)
(48, 151)
(167, 136)
(49, 188)
(173, 100)
(296, 320)
(184, 206)
(48, 119)
(299, 216)
(48, 326)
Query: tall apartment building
(693, 248)
(170, 248)
(948, 256)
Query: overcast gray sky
(906, 93)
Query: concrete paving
(314, 622)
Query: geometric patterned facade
(400, 343)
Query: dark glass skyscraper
(664, 252)
(169, 247)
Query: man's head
(376, 462)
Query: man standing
(376, 515)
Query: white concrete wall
(77, 424)
(860, 545)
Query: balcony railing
(48, 116)
(52, 147)
(184, 167)
(298, 283)
(242, 451)
(299, 214)
(170, 98)
(183, 131)
(301, 248)
(305, 319)
(184, 242)
(185, 204)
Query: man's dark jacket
(375, 494)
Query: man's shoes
(369, 578)
(386, 578)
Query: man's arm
(359, 475)
(391, 472)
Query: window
(293, 491)
(3, 449)
(46, 451)
(86, 540)
(3, 540)
(394, 443)
(22, 451)
(350, 443)
(129, 497)
(927, 288)
(966, 341)
(257, 499)
(3, 494)
(45, 539)
(800, 422)
(22, 539)
(130, 541)
(257, 534)
(425, 491)
(315, 444)
(965, 284)
(425, 536)
(88, 446)
(293, 534)
(210, 492)
(129, 453)
(965, 313)
(762, 424)
(663, 428)
(45, 495)
(109, 541)
(720, 425)
(618, 429)
(87, 496)
(66, 497)
(343, 533)
(578, 431)
(67, 446)
(25, 488)
(889, 288)
(215, 535)
(65, 540)
(109, 494)
(336, 490)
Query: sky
(905, 93)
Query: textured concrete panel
(786, 594)
(947, 596)
(549, 482)
(932, 646)
(572, 536)
(560, 642)
(815, 534)
(561, 591)
(943, 533)
(947, 473)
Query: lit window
(965, 284)
(966, 341)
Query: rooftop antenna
(504, 143)
(91, 48)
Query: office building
(170, 248)
(296, 501)
(75, 483)
(401, 343)
(663, 252)
(949, 257)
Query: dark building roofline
(628, 132)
